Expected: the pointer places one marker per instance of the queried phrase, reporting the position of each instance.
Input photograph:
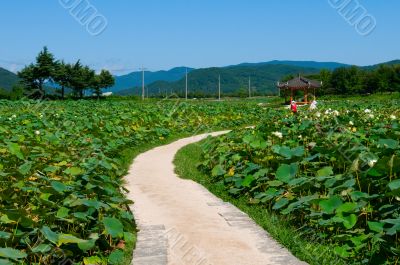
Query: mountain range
(205, 81)
(263, 77)
(7, 79)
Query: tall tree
(28, 78)
(35, 75)
(45, 65)
(102, 81)
(82, 78)
(325, 76)
(62, 76)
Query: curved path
(181, 223)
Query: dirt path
(181, 223)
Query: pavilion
(302, 84)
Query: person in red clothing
(293, 107)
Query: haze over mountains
(205, 81)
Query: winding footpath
(181, 223)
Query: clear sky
(161, 34)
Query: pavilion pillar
(306, 95)
(315, 96)
(291, 95)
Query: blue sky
(161, 34)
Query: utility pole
(249, 87)
(186, 90)
(143, 85)
(219, 87)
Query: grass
(302, 244)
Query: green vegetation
(75, 77)
(61, 192)
(302, 244)
(358, 81)
(334, 172)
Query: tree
(62, 76)
(34, 76)
(287, 78)
(325, 76)
(88, 79)
(45, 65)
(28, 77)
(340, 81)
(82, 78)
(396, 81)
(17, 92)
(102, 81)
(4, 94)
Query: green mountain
(306, 64)
(135, 79)
(372, 67)
(7, 79)
(234, 80)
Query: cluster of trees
(355, 80)
(17, 92)
(46, 71)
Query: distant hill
(234, 79)
(7, 79)
(124, 84)
(306, 64)
(371, 67)
(135, 79)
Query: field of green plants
(334, 171)
(61, 166)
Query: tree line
(38, 77)
(356, 80)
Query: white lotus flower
(14, 116)
(351, 123)
(392, 117)
(312, 145)
(336, 113)
(367, 111)
(372, 162)
(278, 134)
(37, 132)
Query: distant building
(107, 94)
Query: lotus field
(334, 171)
(61, 167)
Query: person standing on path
(313, 105)
(293, 107)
